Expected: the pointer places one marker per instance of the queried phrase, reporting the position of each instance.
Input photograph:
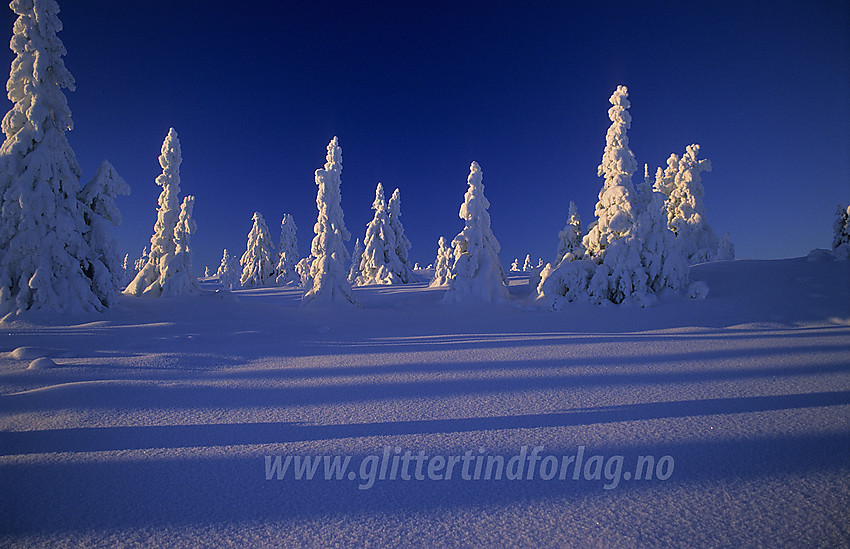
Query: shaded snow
(153, 426)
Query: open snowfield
(155, 423)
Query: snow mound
(30, 353)
(42, 363)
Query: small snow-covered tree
(527, 265)
(178, 278)
(515, 266)
(354, 271)
(44, 257)
(140, 263)
(129, 271)
(226, 272)
(478, 274)
(841, 227)
(378, 246)
(287, 251)
(257, 261)
(151, 278)
(104, 268)
(443, 264)
(662, 256)
(726, 248)
(328, 281)
(207, 272)
(303, 270)
(686, 210)
(570, 237)
(400, 262)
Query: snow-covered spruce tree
(378, 246)
(105, 267)
(287, 250)
(527, 265)
(226, 272)
(570, 237)
(354, 271)
(841, 231)
(515, 265)
(328, 281)
(140, 263)
(179, 278)
(128, 270)
(151, 278)
(44, 257)
(725, 249)
(613, 270)
(478, 274)
(400, 264)
(257, 261)
(686, 210)
(443, 264)
(662, 256)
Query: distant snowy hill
(159, 421)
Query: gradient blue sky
(417, 90)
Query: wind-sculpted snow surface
(160, 421)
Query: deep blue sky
(416, 91)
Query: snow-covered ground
(155, 423)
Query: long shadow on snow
(53, 497)
(90, 439)
(176, 396)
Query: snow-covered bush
(478, 274)
(328, 279)
(105, 267)
(287, 252)
(698, 290)
(570, 237)
(257, 261)
(302, 268)
(152, 276)
(226, 272)
(44, 257)
(443, 264)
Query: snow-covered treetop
(618, 160)
(475, 204)
(38, 72)
(100, 192)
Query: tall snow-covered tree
(615, 214)
(613, 271)
(151, 278)
(401, 267)
(226, 272)
(105, 267)
(443, 264)
(287, 252)
(179, 278)
(686, 210)
(570, 237)
(257, 261)
(328, 281)
(378, 246)
(662, 256)
(354, 272)
(44, 257)
(478, 274)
